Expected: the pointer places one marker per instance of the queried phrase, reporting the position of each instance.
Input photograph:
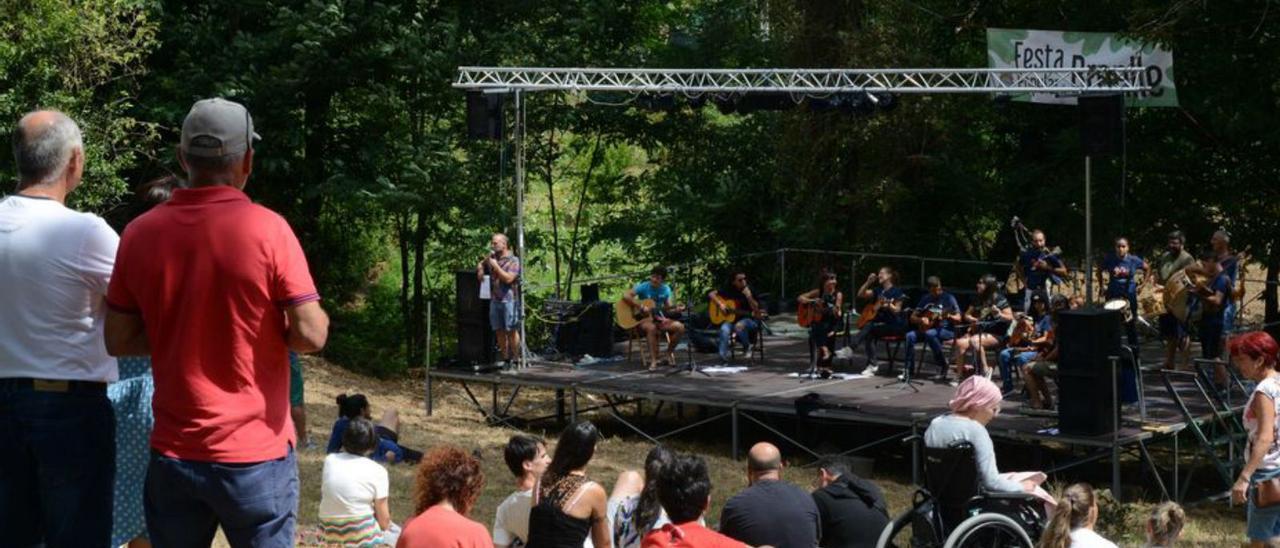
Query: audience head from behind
(360, 437)
(1073, 520)
(831, 469)
(649, 507)
(1164, 525)
(526, 458)
(48, 151)
(574, 449)
(448, 475)
(764, 463)
(852, 510)
(684, 488)
(217, 143)
(977, 398)
(354, 406)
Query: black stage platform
(769, 386)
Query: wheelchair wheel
(894, 529)
(989, 530)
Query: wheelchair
(952, 510)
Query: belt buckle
(41, 385)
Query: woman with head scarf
(977, 401)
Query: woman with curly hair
(569, 506)
(448, 483)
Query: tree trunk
(406, 311)
(551, 197)
(1271, 301)
(577, 218)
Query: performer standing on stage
(830, 301)
(1214, 297)
(934, 318)
(886, 305)
(1122, 269)
(503, 270)
(988, 317)
(737, 294)
(1174, 330)
(1041, 269)
(655, 317)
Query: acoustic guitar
(869, 312)
(730, 313)
(628, 316)
(809, 313)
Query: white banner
(1021, 48)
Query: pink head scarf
(976, 392)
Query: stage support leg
(560, 405)
(733, 418)
(494, 398)
(573, 404)
(1177, 493)
(1115, 436)
(430, 403)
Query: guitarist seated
(933, 319)
(654, 312)
(1028, 340)
(733, 302)
(821, 308)
(885, 311)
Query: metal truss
(806, 82)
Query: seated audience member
(633, 508)
(976, 402)
(389, 449)
(684, 487)
(527, 458)
(449, 482)
(1164, 526)
(852, 509)
(1072, 523)
(770, 512)
(353, 492)
(570, 507)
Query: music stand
(907, 380)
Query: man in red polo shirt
(684, 490)
(216, 289)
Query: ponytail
(352, 406)
(1166, 523)
(1071, 513)
(649, 508)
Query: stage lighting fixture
(764, 101)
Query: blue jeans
(256, 503)
(745, 331)
(1261, 524)
(57, 468)
(934, 338)
(1011, 358)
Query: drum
(1122, 305)
(1175, 294)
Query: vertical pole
(1177, 494)
(1088, 231)
(560, 405)
(519, 180)
(853, 284)
(428, 373)
(782, 267)
(573, 404)
(1115, 434)
(733, 418)
(922, 274)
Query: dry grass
(456, 423)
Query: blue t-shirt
(1217, 315)
(893, 294)
(1044, 325)
(1122, 273)
(1231, 267)
(1036, 278)
(946, 301)
(379, 452)
(661, 295)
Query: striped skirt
(357, 532)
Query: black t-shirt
(735, 297)
(773, 513)
(853, 513)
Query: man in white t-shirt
(55, 263)
(527, 458)
(354, 491)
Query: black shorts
(1171, 327)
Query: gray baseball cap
(217, 127)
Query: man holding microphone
(502, 270)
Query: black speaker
(590, 292)
(475, 338)
(1101, 124)
(595, 333)
(484, 115)
(1086, 341)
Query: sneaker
(902, 377)
(747, 351)
(871, 369)
(953, 384)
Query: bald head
(48, 149)
(764, 459)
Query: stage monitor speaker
(1086, 399)
(1101, 124)
(475, 338)
(590, 292)
(484, 115)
